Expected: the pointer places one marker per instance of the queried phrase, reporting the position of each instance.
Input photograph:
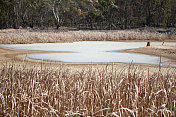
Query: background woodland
(87, 14)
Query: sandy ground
(163, 51)
(17, 57)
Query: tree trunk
(58, 26)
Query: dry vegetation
(93, 92)
(90, 92)
(12, 36)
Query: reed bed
(22, 36)
(90, 92)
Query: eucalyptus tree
(2, 14)
(172, 19)
(7, 13)
(168, 12)
(107, 12)
(55, 7)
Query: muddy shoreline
(166, 51)
(19, 56)
(13, 36)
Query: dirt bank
(166, 51)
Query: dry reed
(22, 36)
(90, 92)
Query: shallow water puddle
(91, 52)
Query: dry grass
(90, 92)
(12, 36)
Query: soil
(166, 51)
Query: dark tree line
(88, 14)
